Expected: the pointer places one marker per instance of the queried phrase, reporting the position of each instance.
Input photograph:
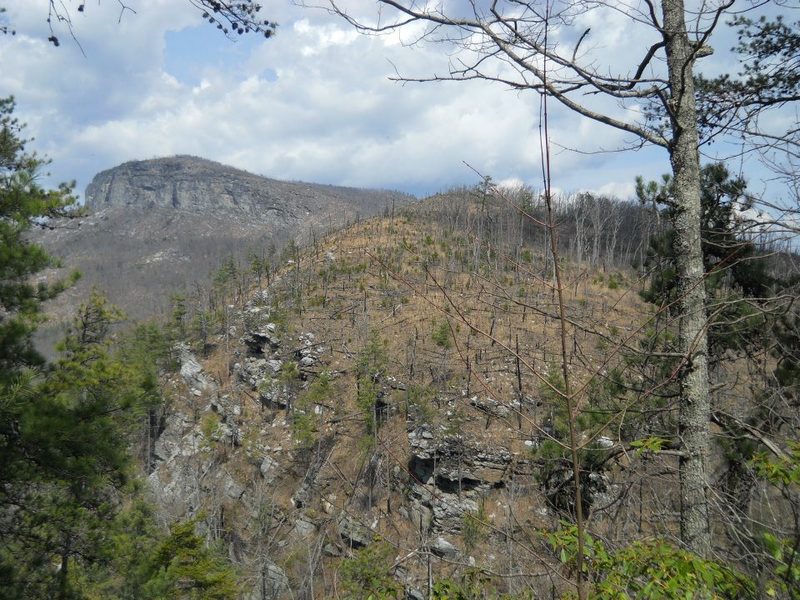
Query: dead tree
(509, 43)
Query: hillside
(160, 226)
(398, 409)
(383, 394)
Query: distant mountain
(156, 226)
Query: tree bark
(695, 407)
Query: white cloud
(314, 103)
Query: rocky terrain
(163, 225)
(341, 420)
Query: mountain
(364, 418)
(400, 411)
(162, 225)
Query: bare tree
(511, 43)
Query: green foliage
(304, 422)
(442, 336)
(209, 426)
(22, 203)
(473, 585)
(124, 571)
(370, 367)
(652, 444)
(366, 400)
(650, 569)
(179, 311)
(473, 528)
(787, 352)
(367, 575)
(732, 265)
(784, 473)
(769, 75)
(418, 398)
(68, 462)
(289, 372)
(183, 567)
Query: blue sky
(314, 103)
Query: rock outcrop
(165, 225)
(193, 184)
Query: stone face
(273, 583)
(269, 468)
(354, 533)
(441, 547)
(157, 226)
(192, 372)
(450, 474)
(194, 184)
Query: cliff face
(329, 417)
(163, 225)
(201, 186)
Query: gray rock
(273, 583)
(304, 526)
(421, 516)
(192, 372)
(441, 547)
(414, 594)
(353, 533)
(490, 406)
(231, 488)
(269, 469)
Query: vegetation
(562, 446)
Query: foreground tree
(23, 203)
(546, 47)
(231, 18)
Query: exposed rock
(414, 594)
(306, 490)
(260, 342)
(451, 473)
(352, 532)
(192, 371)
(269, 467)
(441, 547)
(161, 225)
(195, 184)
(460, 464)
(304, 526)
(273, 585)
(232, 488)
(490, 406)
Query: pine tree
(23, 204)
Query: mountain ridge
(160, 226)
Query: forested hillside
(498, 392)
(399, 409)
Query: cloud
(314, 103)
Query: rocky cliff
(328, 423)
(201, 186)
(164, 225)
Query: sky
(314, 103)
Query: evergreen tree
(72, 461)
(183, 567)
(23, 204)
(734, 271)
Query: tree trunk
(695, 405)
